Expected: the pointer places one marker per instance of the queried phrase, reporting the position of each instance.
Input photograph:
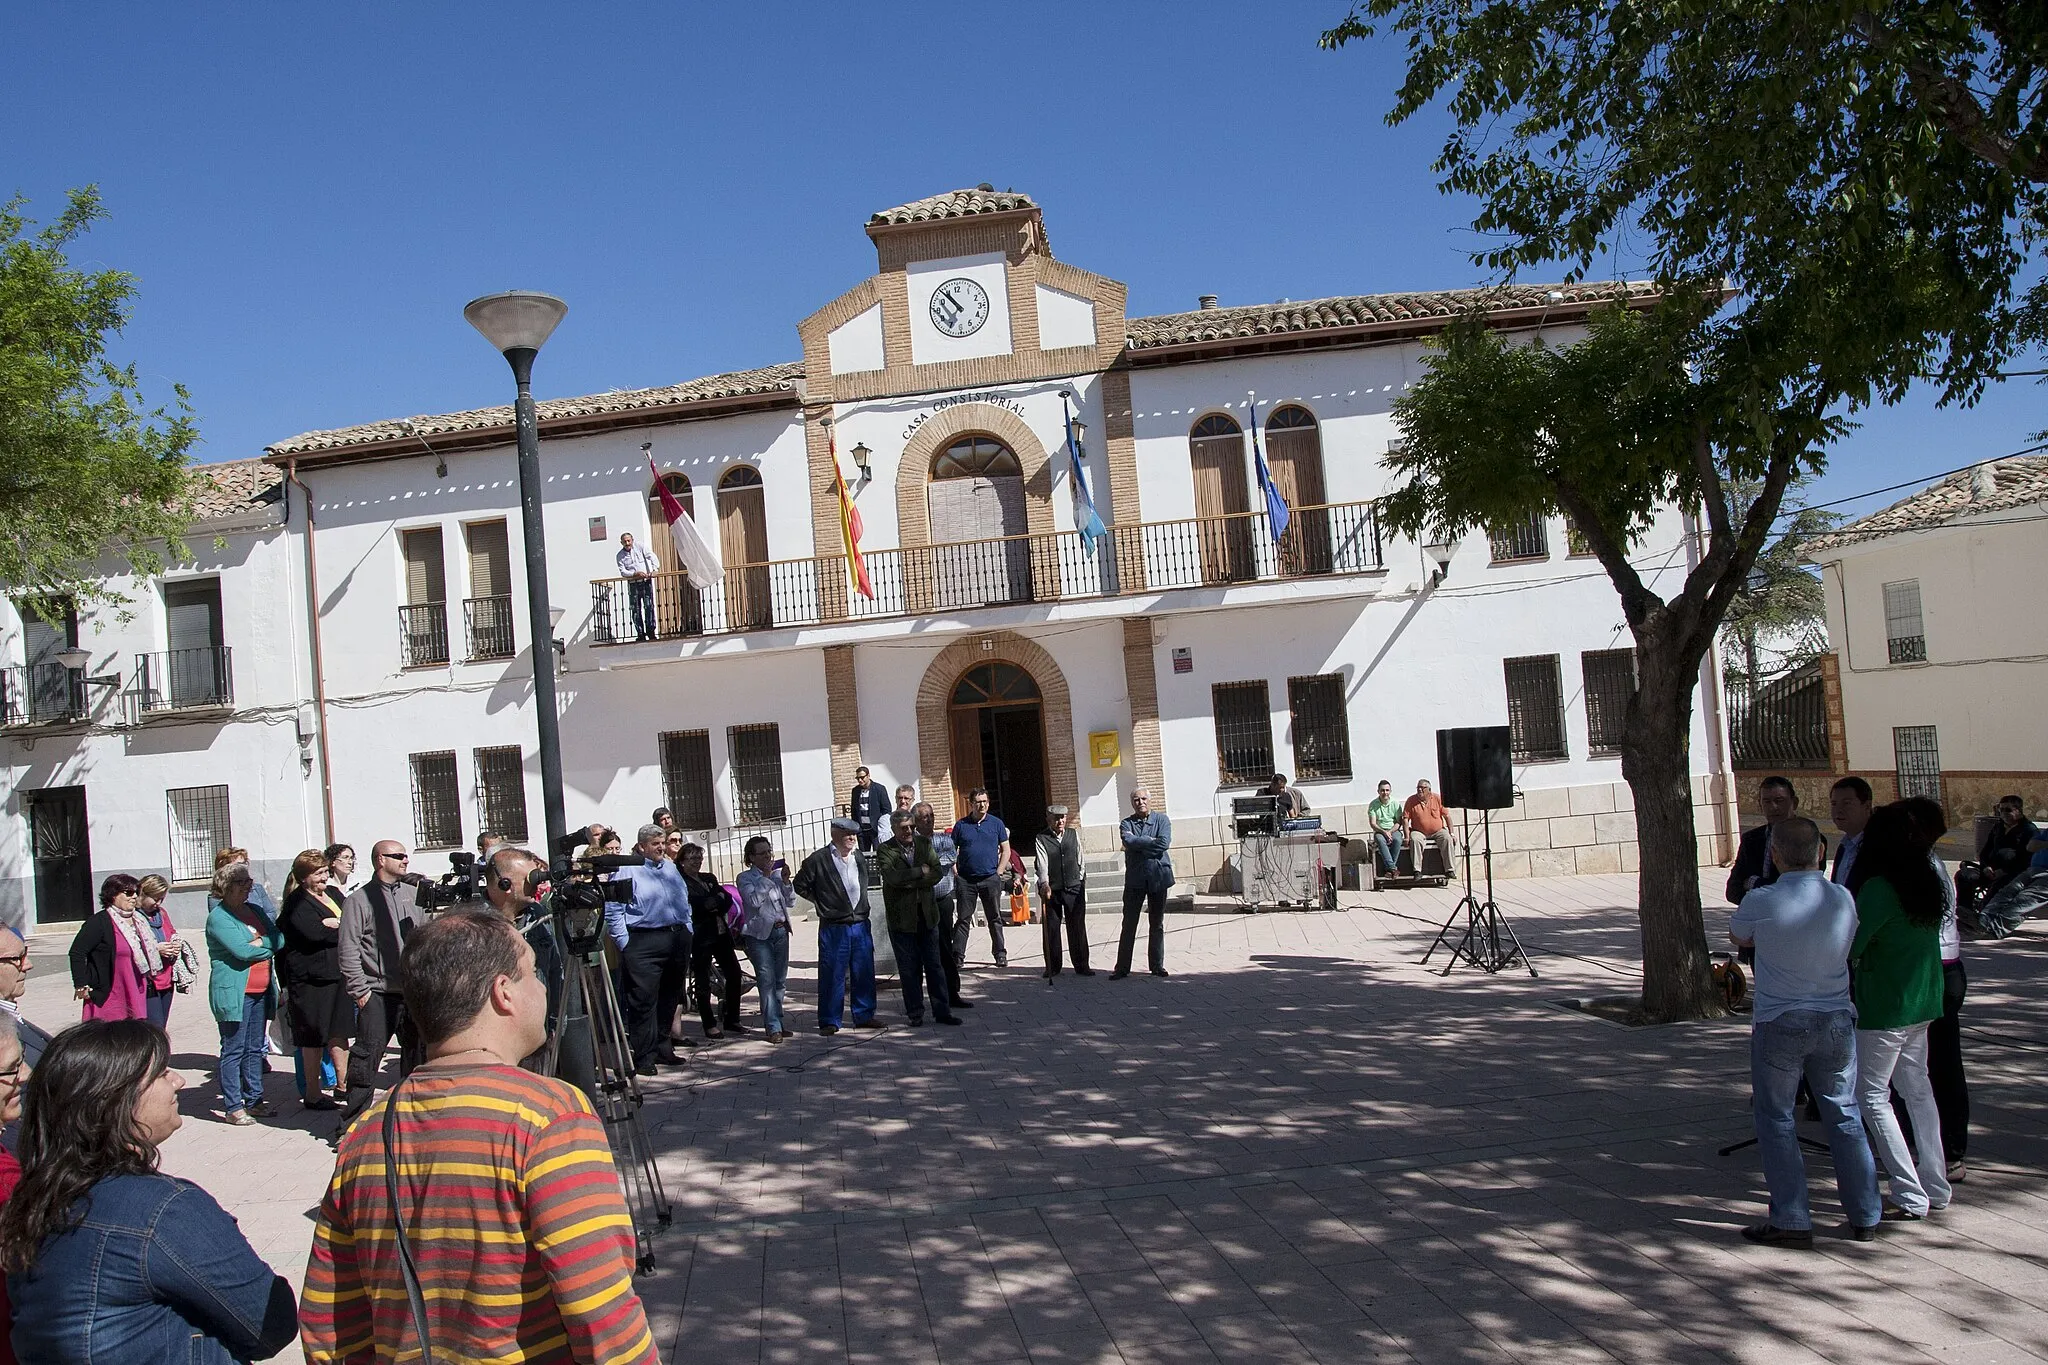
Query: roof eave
(1370, 333)
(484, 438)
(876, 230)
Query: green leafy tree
(88, 470)
(1835, 202)
(1779, 619)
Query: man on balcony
(637, 565)
(868, 804)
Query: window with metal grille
(1535, 708)
(1918, 761)
(1610, 677)
(1905, 636)
(436, 804)
(1528, 538)
(756, 773)
(199, 829)
(686, 778)
(501, 792)
(1575, 544)
(1322, 730)
(1244, 733)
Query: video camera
(462, 882)
(572, 892)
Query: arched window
(1294, 457)
(743, 544)
(976, 503)
(679, 486)
(677, 604)
(997, 684)
(1216, 456)
(973, 457)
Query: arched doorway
(975, 497)
(996, 718)
(743, 545)
(678, 607)
(1216, 455)
(1294, 458)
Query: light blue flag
(1277, 515)
(1086, 521)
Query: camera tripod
(1481, 944)
(588, 1047)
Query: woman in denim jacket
(108, 1261)
(766, 898)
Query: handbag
(184, 968)
(1020, 906)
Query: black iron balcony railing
(489, 623)
(423, 634)
(926, 579)
(41, 694)
(179, 679)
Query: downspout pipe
(291, 477)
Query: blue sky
(309, 195)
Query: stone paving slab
(1300, 1147)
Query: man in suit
(655, 946)
(1753, 866)
(909, 869)
(376, 919)
(1148, 876)
(835, 881)
(868, 804)
(1849, 805)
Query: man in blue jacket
(1148, 876)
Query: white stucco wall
(1987, 645)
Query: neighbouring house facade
(385, 661)
(1939, 655)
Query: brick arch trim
(934, 736)
(913, 471)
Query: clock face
(959, 307)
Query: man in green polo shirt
(1387, 832)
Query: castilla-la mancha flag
(691, 551)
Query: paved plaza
(1301, 1147)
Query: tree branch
(1955, 109)
(1637, 601)
(1713, 492)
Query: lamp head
(74, 658)
(1440, 552)
(517, 320)
(861, 455)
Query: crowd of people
(1859, 988)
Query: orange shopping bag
(1020, 907)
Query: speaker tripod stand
(1489, 941)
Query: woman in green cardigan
(1897, 984)
(243, 942)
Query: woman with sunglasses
(109, 1261)
(114, 956)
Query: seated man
(1804, 1027)
(1387, 832)
(1291, 802)
(2003, 855)
(1427, 824)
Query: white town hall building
(346, 659)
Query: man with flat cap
(1063, 890)
(835, 881)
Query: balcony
(42, 694)
(423, 634)
(488, 621)
(1319, 542)
(182, 680)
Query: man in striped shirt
(511, 1205)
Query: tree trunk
(1678, 981)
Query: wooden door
(966, 740)
(1294, 458)
(743, 541)
(1216, 454)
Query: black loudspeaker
(1475, 768)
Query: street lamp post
(519, 323)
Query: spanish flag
(849, 530)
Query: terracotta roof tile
(1359, 310)
(234, 489)
(2016, 481)
(737, 384)
(953, 204)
